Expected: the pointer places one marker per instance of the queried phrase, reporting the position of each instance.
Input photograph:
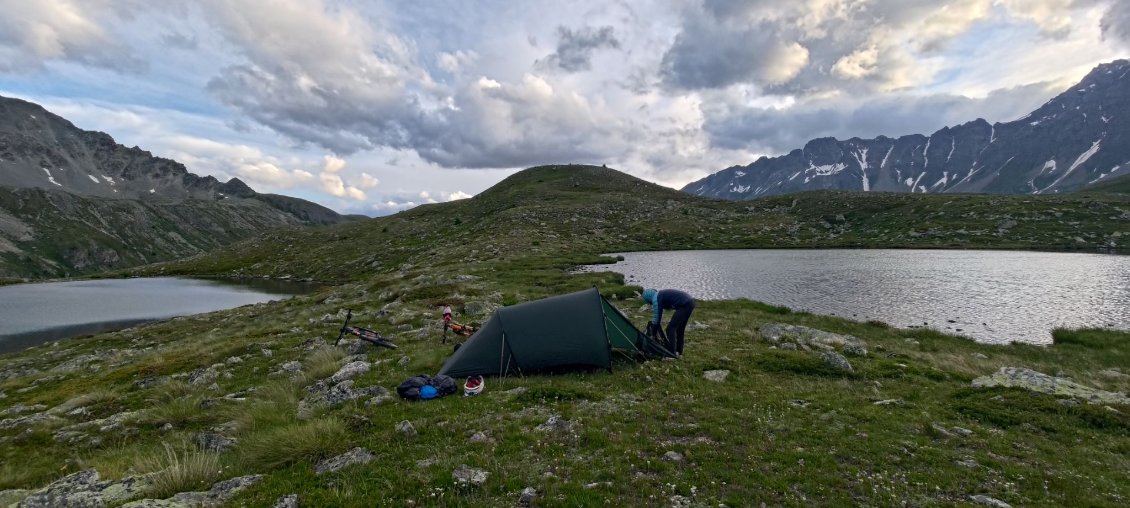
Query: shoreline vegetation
(749, 415)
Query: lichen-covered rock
(466, 475)
(213, 442)
(289, 501)
(350, 371)
(717, 376)
(219, 494)
(80, 490)
(405, 427)
(776, 333)
(1014, 377)
(355, 456)
(837, 361)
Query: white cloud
(35, 32)
(333, 184)
(333, 164)
(368, 181)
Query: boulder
(288, 501)
(837, 361)
(777, 333)
(717, 376)
(350, 371)
(466, 475)
(1027, 379)
(213, 442)
(355, 456)
(405, 427)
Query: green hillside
(783, 426)
(1118, 185)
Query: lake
(989, 296)
(35, 313)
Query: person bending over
(681, 303)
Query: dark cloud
(180, 41)
(706, 55)
(575, 48)
(775, 132)
(1116, 22)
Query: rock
(405, 427)
(555, 423)
(678, 501)
(403, 361)
(989, 501)
(697, 326)
(942, 430)
(890, 402)
(466, 475)
(788, 346)
(855, 350)
(912, 342)
(981, 356)
(527, 497)
(777, 333)
(961, 431)
(355, 456)
(837, 361)
(478, 437)
(969, 463)
(28, 420)
(673, 456)
(717, 376)
(350, 371)
(799, 403)
(81, 489)
(1038, 382)
(288, 368)
(212, 442)
(267, 353)
(1113, 374)
(424, 463)
(288, 501)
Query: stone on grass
(855, 350)
(890, 402)
(527, 497)
(673, 456)
(478, 437)
(777, 333)
(837, 361)
(555, 423)
(350, 371)
(1031, 380)
(466, 475)
(716, 375)
(289, 501)
(405, 427)
(355, 456)
(213, 442)
(984, 500)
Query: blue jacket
(665, 299)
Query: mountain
(1080, 137)
(587, 210)
(74, 201)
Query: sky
(372, 107)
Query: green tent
(564, 332)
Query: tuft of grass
(797, 363)
(179, 411)
(296, 442)
(187, 471)
(324, 362)
(274, 404)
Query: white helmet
(473, 386)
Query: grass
(184, 471)
(783, 428)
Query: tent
(564, 332)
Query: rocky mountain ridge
(74, 201)
(1078, 138)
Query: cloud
(1116, 22)
(33, 33)
(333, 164)
(333, 184)
(705, 56)
(575, 48)
(776, 131)
(368, 181)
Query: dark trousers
(677, 328)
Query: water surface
(990, 296)
(34, 313)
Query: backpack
(413, 388)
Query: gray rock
(425, 463)
(527, 497)
(291, 367)
(350, 371)
(355, 456)
(717, 376)
(989, 501)
(837, 361)
(466, 475)
(1038, 382)
(288, 501)
(20, 408)
(405, 427)
(942, 430)
(777, 333)
(961, 431)
(74, 490)
(555, 423)
(911, 342)
(673, 456)
(28, 420)
(969, 463)
(403, 361)
(890, 402)
(212, 442)
(478, 437)
(855, 350)
(981, 356)
(479, 308)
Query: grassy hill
(783, 428)
(1119, 185)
